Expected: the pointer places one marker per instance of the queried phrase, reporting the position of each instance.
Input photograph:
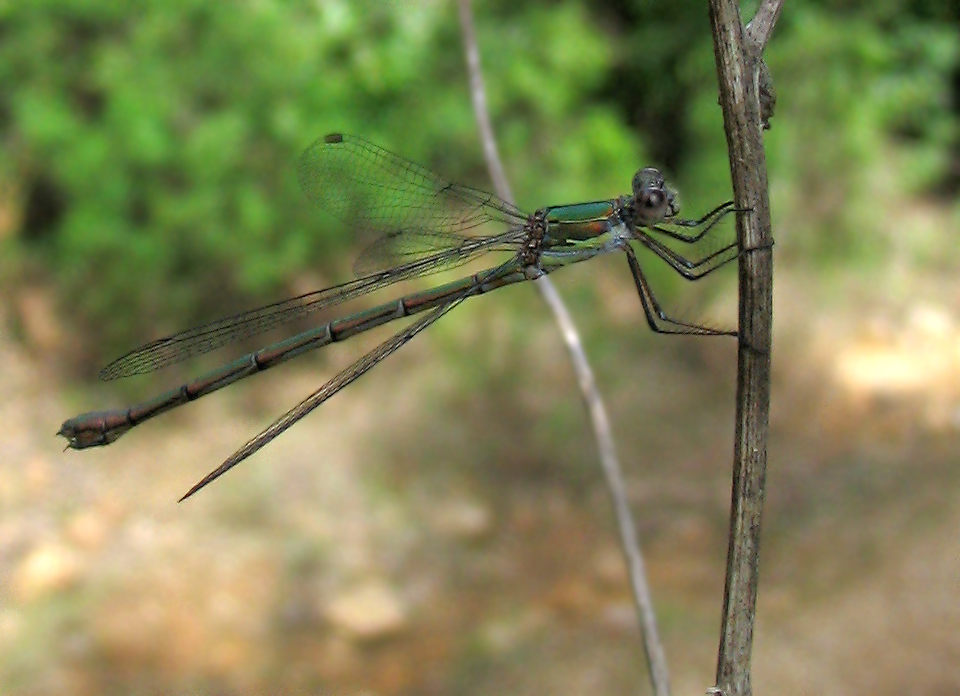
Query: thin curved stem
(653, 646)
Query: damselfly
(421, 223)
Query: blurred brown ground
(347, 558)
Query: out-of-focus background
(441, 526)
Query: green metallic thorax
(577, 223)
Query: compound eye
(652, 200)
(651, 206)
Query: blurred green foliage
(148, 147)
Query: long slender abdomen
(103, 427)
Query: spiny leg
(695, 270)
(689, 269)
(714, 216)
(657, 319)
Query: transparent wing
(420, 221)
(382, 193)
(203, 339)
(412, 245)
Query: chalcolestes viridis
(420, 224)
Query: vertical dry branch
(738, 68)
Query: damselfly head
(652, 201)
